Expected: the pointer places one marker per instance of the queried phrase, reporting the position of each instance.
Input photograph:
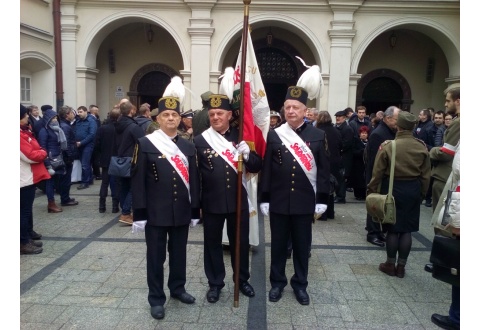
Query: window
(25, 91)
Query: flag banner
(256, 115)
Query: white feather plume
(311, 80)
(176, 89)
(227, 84)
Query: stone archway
(149, 83)
(381, 88)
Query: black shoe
(339, 200)
(82, 186)
(157, 312)
(35, 236)
(102, 210)
(349, 189)
(302, 297)
(444, 322)
(323, 217)
(375, 241)
(115, 209)
(382, 237)
(275, 294)
(70, 202)
(36, 243)
(213, 294)
(428, 204)
(360, 198)
(428, 268)
(98, 177)
(247, 289)
(184, 297)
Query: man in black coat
(166, 199)
(106, 148)
(361, 119)
(295, 186)
(385, 130)
(346, 132)
(218, 149)
(127, 133)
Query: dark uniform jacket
(219, 180)
(158, 192)
(381, 133)
(284, 184)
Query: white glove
(320, 209)
(265, 208)
(138, 226)
(244, 149)
(194, 222)
(51, 171)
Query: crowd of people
(190, 160)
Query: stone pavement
(92, 275)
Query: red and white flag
(256, 115)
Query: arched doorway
(381, 88)
(279, 69)
(149, 83)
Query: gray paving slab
(92, 275)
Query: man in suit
(347, 134)
(218, 150)
(295, 186)
(165, 196)
(385, 130)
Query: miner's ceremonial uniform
(166, 193)
(292, 201)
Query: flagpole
(240, 158)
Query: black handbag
(56, 162)
(120, 166)
(445, 257)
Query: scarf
(62, 140)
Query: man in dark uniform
(385, 130)
(294, 187)
(165, 193)
(347, 134)
(217, 154)
(200, 121)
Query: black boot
(115, 204)
(102, 208)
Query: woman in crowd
(358, 167)
(411, 179)
(32, 171)
(53, 140)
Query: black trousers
(299, 227)
(372, 228)
(213, 254)
(156, 239)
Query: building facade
(371, 52)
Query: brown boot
(53, 208)
(126, 218)
(400, 271)
(388, 268)
(30, 249)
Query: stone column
(69, 59)
(341, 35)
(200, 31)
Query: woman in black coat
(358, 167)
(334, 141)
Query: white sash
(300, 151)
(228, 152)
(174, 155)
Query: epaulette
(422, 142)
(384, 143)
